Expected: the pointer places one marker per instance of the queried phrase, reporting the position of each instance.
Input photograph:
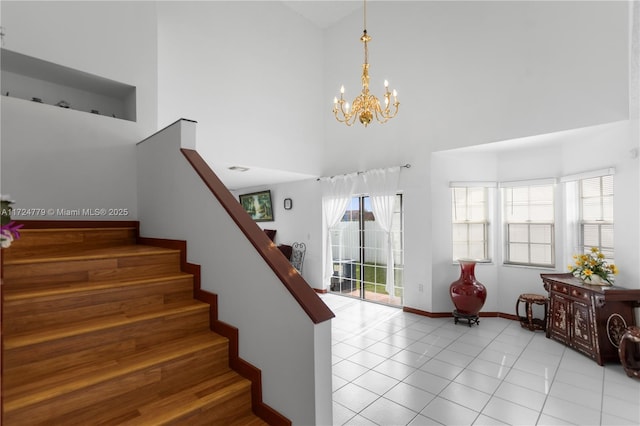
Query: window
(529, 224)
(359, 261)
(470, 223)
(596, 214)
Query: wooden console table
(589, 318)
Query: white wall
(275, 334)
(57, 160)
(250, 74)
(303, 223)
(54, 158)
(114, 40)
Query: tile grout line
(464, 369)
(394, 324)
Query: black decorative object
(63, 104)
(288, 203)
(38, 100)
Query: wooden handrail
(301, 291)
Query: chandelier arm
(395, 112)
(379, 113)
(345, 120)
(347, 116)
(386, 113)
(382, 120)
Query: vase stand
(471, 319)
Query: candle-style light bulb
(342, 90)
(386, 84)
(335, 100)
(395, 93)
(346, 106)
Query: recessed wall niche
(36, 80)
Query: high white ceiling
(324, 13)
(254, 176)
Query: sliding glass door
(359, 254)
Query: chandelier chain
(364, 17)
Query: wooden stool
(629, 355)
(528, 321)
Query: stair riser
(92, 270)
(143, 333)
(51, 241)
(23, 373)
(184, 371)
(129, 408)
(224, 412)
(42, 413)
(30, 314)
(86, 361)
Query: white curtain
(382, 186)
(336, 194)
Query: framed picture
(258, 205)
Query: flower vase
(595, 280)
(467, 293)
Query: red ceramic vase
(467, 293)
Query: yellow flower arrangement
(586, 266)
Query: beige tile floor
(396, 368)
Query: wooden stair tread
(43, 242)
(58, 230)
(128, 250)
(52, 290)
(250, 420)
(204, 395)
(45, 334)
(69, 381)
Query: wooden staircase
(100, 330)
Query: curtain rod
(406, 166)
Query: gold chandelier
(366, 105)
